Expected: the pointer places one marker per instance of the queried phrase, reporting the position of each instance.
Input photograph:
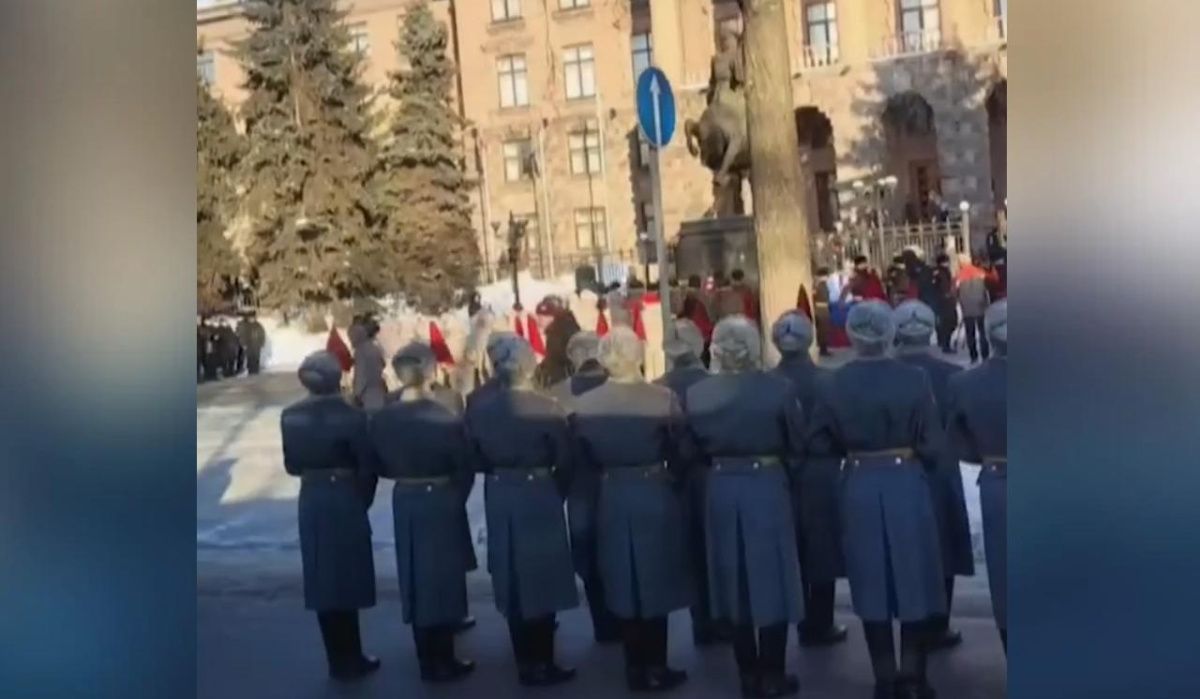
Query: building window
(643, 54)
(920, 23)
(589, 228)
(514, 88)
(360, 43)
(206, 67)
(579, 66)
(516, 160)
(573, 4)
(584, 145)
(506, 10)
(820, 20)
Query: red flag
(535, 337)
(639, 328)
(437, 342)
(520, 328)
(335, 346)
(802, 303)
(601, 324)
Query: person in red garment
(695, 310)
(749, 298)
(865, 284)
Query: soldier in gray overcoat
(422, 446)
(326, 445)
(915, 325)
(879, 416)
(253, 337)
(629, 432)
(749, 425)
(370, 389)
(977, 425)
(815, 486)
(519, 440)
(684, 348)
(583, 352)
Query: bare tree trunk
(776, 182)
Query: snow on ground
(287, 345)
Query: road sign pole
(660, 241)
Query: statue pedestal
(709, 245)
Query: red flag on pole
(337, 347)
(639, 328)
(535, 337)
(437, 342)
(520, 327)
(601, 324)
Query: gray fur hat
(320, 373)
(995, 324)
(870, 327)
(494, 341)
(512, 356)
(792, 332)
(686, 340)
(582, 346)
(414, 363)
(915, 322)
(736, 344)
(621, 350)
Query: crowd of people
(738, 492)
(224, 352)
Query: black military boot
(449, 666)
(635, 667)
(544, 672)
(914, 649)
(818, 628)
(941, 636)
(745, 652)
(656, 677)
(467, 623)
(606, 628)
(350, 663)
(882, 647)
(772, 654)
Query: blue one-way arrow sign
(656, 107)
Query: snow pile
(287, 345)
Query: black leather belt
(658, 470)
(520, 474)
(745, 464)
(881, 456)
(331, 475)
(427, 484)
(995, 463)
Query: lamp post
(516, 234)
(964, 208)
(490, 262)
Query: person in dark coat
(977, 431)
(749, 425)
(822, 319)
(228, 348)
(629, 432)
(944, 303)
(556, 366)
(370, 389)
(915, 323)
(212, 352)
(684, 349)
(519, 439)
(253, 338)
(583, 351)
(202, 340)
(815, 485)
(421, 445)
(879, 416)
(326, 444)
(897, 280)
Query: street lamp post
(964, 207)
(490, 262)
(516, 233)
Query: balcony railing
(911, 43)
(998, 30)
(810, 57)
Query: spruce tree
(419, 180)
(308, 123)
(218, 149)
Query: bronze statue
(719, 137)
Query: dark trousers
(941, 624)
(975, 328)
(822, 324)
(604, 624)
(946, 323)
(645, 643)
(435, 645)
(818, 606)
(914, 649)
(763, 652)
(343, 641)
(532, 641)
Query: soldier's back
(422, 438)
(875, 403)
(739, 414)
(322, 432)
(515, 428)
(682, 379)
(979, 398)
(627, 424)
(938, 370)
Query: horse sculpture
(718, 138)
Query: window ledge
(573, 12)
(506, 25)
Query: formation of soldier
(224, 352)
(740, 493)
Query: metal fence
(880, 245)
